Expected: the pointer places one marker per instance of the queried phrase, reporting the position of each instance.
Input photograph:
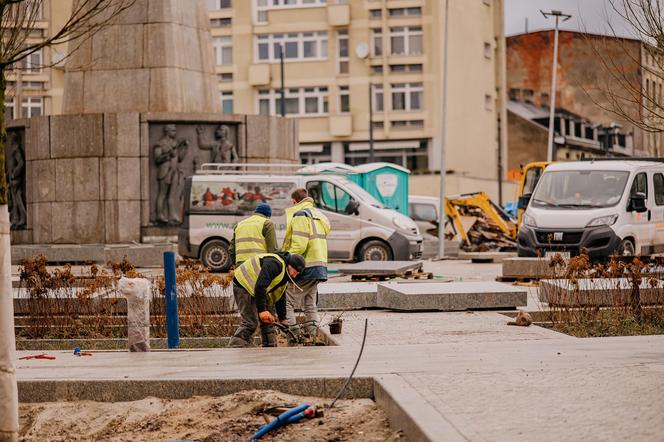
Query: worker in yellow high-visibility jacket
(306, 234)
(254, 235)
(258, 288)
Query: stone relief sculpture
(222, 149)
(169, 154)
(16, 177)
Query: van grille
(547, 237)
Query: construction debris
(483, 234)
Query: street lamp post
(371, 138)
(442, 216)
(283, 81)
(552, 111)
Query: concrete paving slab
(377, 267)
(527, 268)
(347, 295)
(599, 291)
(486, 257)
(450, 296)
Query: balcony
(338, 15)
(259, 74)
(341, 125)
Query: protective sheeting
(137, 292)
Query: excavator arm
(479, 200)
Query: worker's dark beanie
(264, 209)
(297, 262)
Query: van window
(327, 196)
(423, 212)
(580, 189)
(640, 184)
(658, 181)
(238, 198)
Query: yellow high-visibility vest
(247, 275)
(313, 229)
(249, 239)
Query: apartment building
(35, 84)
(336, 52)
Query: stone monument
(141, 113)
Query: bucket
(335, 326)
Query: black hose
(343, 388)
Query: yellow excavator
(531, 174)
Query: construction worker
(254, 235)
(258, 287)
(306, 234)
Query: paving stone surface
(450, 296)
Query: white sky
(588, 15)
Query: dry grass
(615, 298)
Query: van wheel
(626, 248)
(375, 251)
(215, 256)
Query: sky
(587, 15)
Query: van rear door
(658, 211)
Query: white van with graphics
(605, 206)
(362, 228)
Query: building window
(215, 5)
(223, 50)
(378, 100)
(33, 62)
(528, 95)
(488, 50)
(227, 102)
(405, 68)
(375, 13)
(405, 12)
(407, 96)
(544, 99)
(407, 124)
(261, 7)
(488, 102)
(220, 22)
(406, 40)
(515, 94)
(227, 76)
(9, 108)
(377, 40)
(344, 99)
(32, 107)
(296, 46)
(378, 69)
(413, 158)
(299, 101)
(342, 42)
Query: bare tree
(18, 18)
(636, 98)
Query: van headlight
(607, 220)
(529, 220)
(400, 223)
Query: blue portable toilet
(387, 182)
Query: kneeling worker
(253, 235)
(258, 287)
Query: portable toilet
(387, 182)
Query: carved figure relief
(15, 165)
(177, 151)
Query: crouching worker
(258, 288)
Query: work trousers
(307, 297)
(246, 305)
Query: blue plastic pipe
(282, 419)
(172, 323)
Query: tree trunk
(8, 389)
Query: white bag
(137, 292)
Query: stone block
(449, 296)
(75, 136)
(192, 48)
(145, 138)
(21, 237)
(532, 268)
(194, 94)
(37, 139)
(107, 90)
(109, 178)
(129, 221)
(73, 102)
(347, 296)
(118, 47)
(377, 267)
(162, 96)
(128, 136)
(111, 227)
(145, 212)
(599, 292)
(77, 179)
(129, 178)
(42, 222)
(137, 13)
(144, 255)
(81, 58)
(145, 178)
(43, 181)
(78, 222)
(163, 47)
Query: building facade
(335, 52)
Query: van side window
(327, 196)
(423, 212)
(640, 184)
(658, 181)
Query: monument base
(140, 255)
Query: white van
(362, 228)
(605, 206)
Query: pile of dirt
(207, 419)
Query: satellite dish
(362, 50)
